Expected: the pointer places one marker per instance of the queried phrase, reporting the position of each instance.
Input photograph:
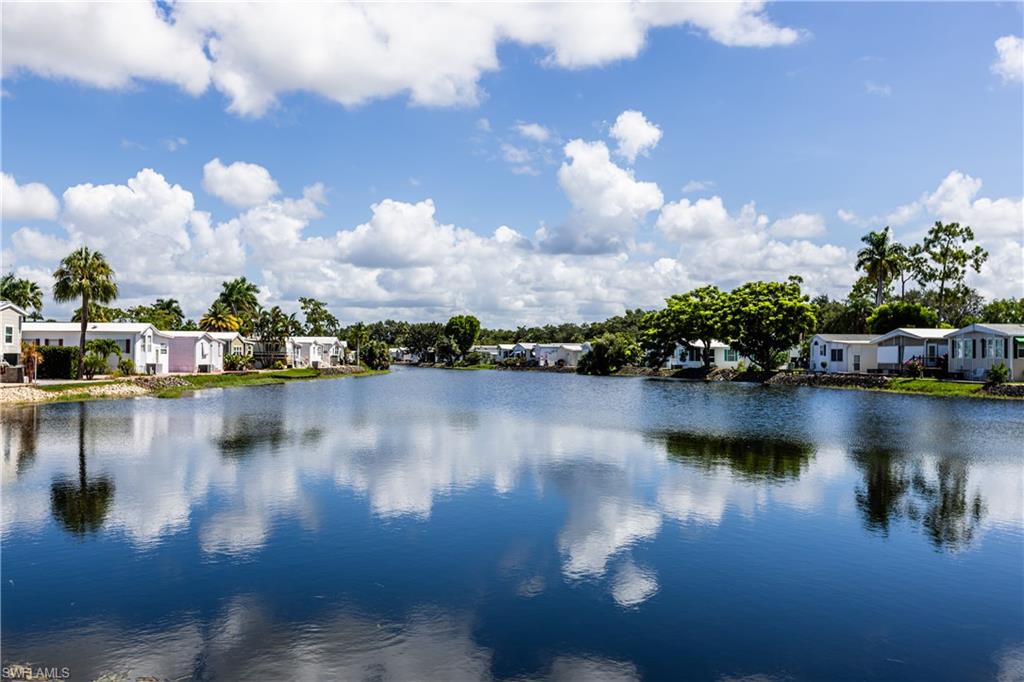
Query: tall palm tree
(84, 274)
(171, 309)
(23, 293)
(879, 259)
(240, 296)
(219, 318)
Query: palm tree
(31, 357)
(104, 348)
(23, 293)
(879, 259)
(240, 296)
(171, 309)
(219, 318)
(84, 274)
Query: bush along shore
(171, 386)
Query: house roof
(916, 332)
(190, 334)
(527, 346)
(847, 338)
(566, 346)
(323, 340)
(225, 336)
(996, 328)
(506, 346)
(7, 305)
(100, 327)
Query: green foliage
(94, 364)
(23, 293)
(946, 256)
(841, 317)
(103, 348)
(86, 275)
(914, 368)
(233, 362)
(880, 259)
(423, 336)
(375, 355)
(693, 318)
(239, 295)
(1004, 310)
(997, 374)
(319, 321)
(609, 353)
(59, 362)
(764, 319)
(279, 364)
(219, 318)
(273, 326)
(126, 366)
(463, 331)
(446, 350)
(657, 338)
(889, 316)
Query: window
(8, 334)
(1020, 347)
(837, 355)
(856, 363)
(822, 353)
(202, 350)
(731, 355)
(995, 348)
(695, 354)
(127, 345)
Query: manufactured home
(838, 353)
(974, 349)
(195, 352)
(143, 343)
(692, 357)
(317, 351)
(902, 345)
(560, 354)
(12, 318)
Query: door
(856, 363)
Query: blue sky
(871, 109)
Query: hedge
(59, 362)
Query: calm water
(466, 525)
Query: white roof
(99, 327)
(527, 346)
(993, 328)
(847, 338)
(565, 346)
(506, 346)
(224, 336)
(7, 305)
(323, 340)
(916, 332)
(190, 334)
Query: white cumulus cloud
(240, 184)
(800, 226)
(1009, 63)
(635, 135)
(31, 201)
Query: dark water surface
(475, 525)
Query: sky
(525, 163)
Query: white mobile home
(195, 351)
(233, 342)
(523, 350)
(11, 320)
(143, 343)
(560, 354)
(977, 347)
(505, 350)
(902, 345)
(489, 352)
(317, 351)
(838, 353)
(692, 357)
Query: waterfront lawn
(54, 388)
(200, 381)
(935, 387)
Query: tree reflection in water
(242, 434)
(752, 458)
(81, 506)
(18, 433)
(897, 486)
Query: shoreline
(169, 386)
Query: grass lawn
(201, 381)
(936, 387)
(64, 387)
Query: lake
(453, 525)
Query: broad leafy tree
(947, 254)
(1005, 310)
(168, 312)
(879, 260)
(609, 353)
(319, 320)
(84, 274)
(889, 316)
(463, 330)
(423, 336)
(765, 319)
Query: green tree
(319, 321)
(219, 318)
(357, 335)
(1005, 310)
(889, 316)
(657, 338)
(376, 355)
(609, 353)
(23, 293)
(879, 259)
(696, 318)
(240, 295)
(463, 330)
(103, 348)
(908, 265)
(423, 336)
(948, 251)
(168, 312)
(84, 274)
(841, 317)
(765, 319)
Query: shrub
(997, 374)
(59, 362)
(126, 366)
(234, 362)
(279, 364)
(94, 364)
(376, 355)
(476, 359)
(913, 367)
(610, 353)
